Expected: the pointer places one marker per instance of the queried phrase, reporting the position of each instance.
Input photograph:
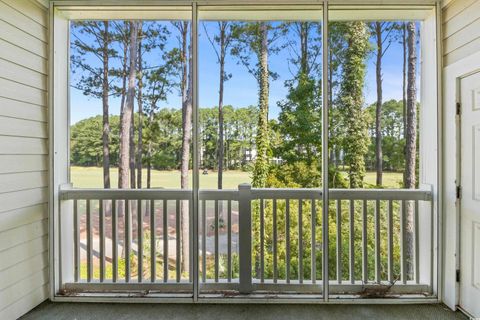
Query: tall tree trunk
(351, 102)
(126, 121)
(106, 123)
(223, 26)
(404, 77)
(132, 153)
(140, 112)
(121, 169)
(260, 169)
(149, 173)
(411, 138)
(131, 157)
(149, 149)
(186, 86)
(304, 68)
(378, 114)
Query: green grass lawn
(390, 179)
(91, 177)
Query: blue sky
(241, 90)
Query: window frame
(59, 112)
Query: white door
(470, 201)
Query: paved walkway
(172, 246)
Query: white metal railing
(250, 241)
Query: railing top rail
(381, 194)
(68, 193)
(215, 194)
(125, 194)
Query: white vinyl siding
(23, 156)
(461, 30)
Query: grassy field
(91, 177)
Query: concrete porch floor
(107, 311)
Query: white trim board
(451, 74)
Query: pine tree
(411, 137)
(95, 81)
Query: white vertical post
(229, 241)
(89, 242)
(314, 243)
(153, 242)
(101, 213)
(364, 242)
(69, 268)
(114, 241)
(60, 244)
(262, 240)
(216, 226)
(127, 238)
(76, 241)
(403, 254)
(339, 257)
(287, 240)
(245, 237)
(390, 241)
(325, 150)
(300, 241)
(352, 241)
(195, 157)
(274, 227)
(204, 241)
(140, 241)
(377, 241)
(178, 235)
(165, 240)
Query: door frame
(449, 235)
(459, 183)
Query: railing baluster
(274, 231)
(165, 240)
(216, 240)
(128, 239)
(114, 241)
(287, 239)
(229, 240)
(102, 239)
(300, 241)
(377, 241)
(339, 241)
(314, 243)
(153, 243)
(204, 240)
(262, 241)
(76, 242)
(416, 241)
(403, 256)
(178, 243)
(364, 242)
(140, 240)
(390, 241)
(89, 243)
(352, 243)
